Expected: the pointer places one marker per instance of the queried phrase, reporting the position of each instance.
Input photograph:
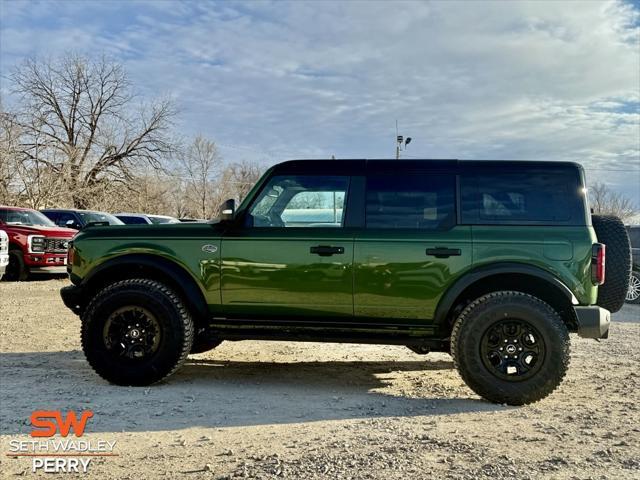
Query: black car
(633, 294)
(79, 219)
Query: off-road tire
(16, 271)
(481, 315)
(176, 332)
(610, 231)
(203, 342)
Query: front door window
(300, 201)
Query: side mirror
(227, 210)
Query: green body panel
(396, 280)
(178, 243)
(565, 252)
(381, 274)
(271, 272)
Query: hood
(59, 232)
(152, 231)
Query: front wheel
(136, 332)
(510, 347)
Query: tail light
(70, 254)
(598, 263)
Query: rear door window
(417, 202)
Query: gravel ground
(296, 410)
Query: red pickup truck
(36, 244)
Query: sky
(270, 81)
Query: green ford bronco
(494, 262)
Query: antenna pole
(397, 142)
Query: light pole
(400, 140)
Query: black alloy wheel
(132, 332)
(512, 350)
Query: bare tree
(605, 201)
(23, 179)
(78, 119)
(9, 133)
(200, 162)
(178, 198)
(242, 177)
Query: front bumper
(48, 270)
(37, 261)
(73, 298)
(593, 321)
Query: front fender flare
(175, 274)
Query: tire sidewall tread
(474, 320)
(611, 231)
(171, 313)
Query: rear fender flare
(450, 298)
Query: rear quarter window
(522, 197)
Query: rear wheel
(16, 271)
(136, 332)
(633, 293)
(510, 347)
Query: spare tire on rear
(610, 231)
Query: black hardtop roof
(356, 166)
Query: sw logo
(47, 423)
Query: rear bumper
(72, 298)
(593, 321)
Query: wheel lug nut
(501, 349)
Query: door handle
(443, 252)
(326, 250)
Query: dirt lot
(295, 410)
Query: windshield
(25, 217)
(157, 220)
(89, 217)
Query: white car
(4, 252)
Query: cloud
(275, 80)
